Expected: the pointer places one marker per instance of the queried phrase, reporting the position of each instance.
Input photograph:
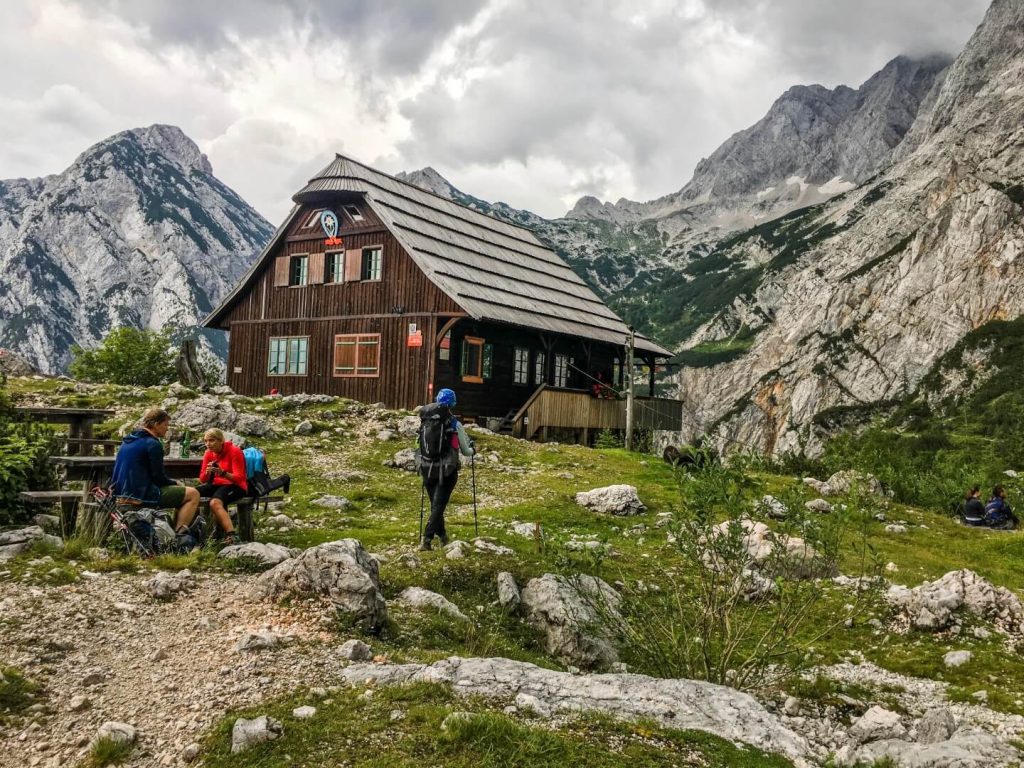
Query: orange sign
(415, 339)
(332, 241)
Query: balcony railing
(553, 408)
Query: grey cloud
(585, 85)
(387, 36)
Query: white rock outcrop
(341, 571)
(683, 704)
(417, 597)
(573, 613)
(612, 500)
(936, 604)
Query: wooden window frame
(313, 219)
(521, 364)
(305, 271)
(362, 264)
(287, 357)
(468, 377)
(568, 364)
(357, 216)
(328, 260)
(542, 358)
(357, 339)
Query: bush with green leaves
(25, 449)
(128, 356)
(729, 617)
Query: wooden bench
(245, 507)
(68, 500)
(86, 446)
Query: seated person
(998, 514)
(223, 479)
(972, 510)
(139, 477)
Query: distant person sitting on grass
(139, 477)
(998, 514)
(972, 510)
(223, 479)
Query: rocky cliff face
(860, 296)
(136, 232)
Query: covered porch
(550, 408)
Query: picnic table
(96, 471)
(80, 421)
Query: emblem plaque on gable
(329, 222)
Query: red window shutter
(316, 268)
(353, 264)
(281, 271)
(345, 355)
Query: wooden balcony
(576, 409)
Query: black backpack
(434, 450)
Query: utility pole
(629, 388)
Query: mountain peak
(167, 140)
(430, 180)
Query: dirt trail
(168, 668)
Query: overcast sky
(533, 102)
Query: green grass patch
(358, 731)
(108, 751)
(17, 693)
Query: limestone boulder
(612, 500)
(259, 552)
(205, 412)
(851, 479)
(417, 597)
(13, 543)
(246, 734)
(340, 571)
(936, 604)
(573, 614)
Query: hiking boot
(425, 545)
(444, 539)
(287, 487)
(231, 538)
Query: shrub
(127, 356)
(24, 451)
(723, 618)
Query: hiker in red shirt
(222, 475)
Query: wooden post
(629, 388)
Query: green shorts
(172, 496)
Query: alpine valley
(824, 260)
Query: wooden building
(377, 290)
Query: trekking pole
(472, 467)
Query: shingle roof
(494, 270)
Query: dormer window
(314, 219)
(353, 212)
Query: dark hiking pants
(439, 491)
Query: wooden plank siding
(322, 310)
(568, 409)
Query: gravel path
(168, 668)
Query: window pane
(445, 350)
(472, 358)
(521, 366)
(538, 368)
(335, 267)
(487, 358)
(301, 343)
(371, 264)
(297, 271)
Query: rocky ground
(105, 650)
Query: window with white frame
(335, 267)
(314, 219)
(287, 356)
(298, 270)
(520, 366)
(353, 212)
(371, 267)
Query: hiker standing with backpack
(441, 438)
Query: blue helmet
(446, 397)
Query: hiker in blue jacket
(139, 477)
(442, 473)
(998, 514)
